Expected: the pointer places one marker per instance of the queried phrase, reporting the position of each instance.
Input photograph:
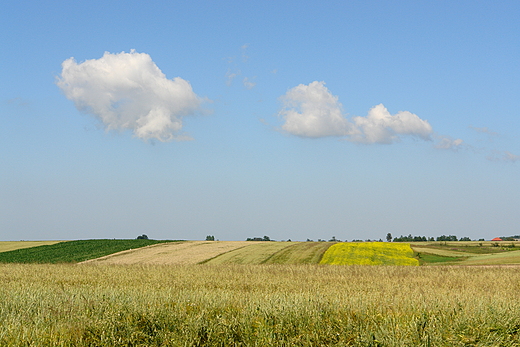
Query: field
(184, 252)
(369, 253)
(468, 253)
(153, 252)
(71, 251)
(12, 245)
(251, 305)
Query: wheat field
(258, 305)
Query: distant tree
(309, 240)
(465, 238)
(389, 237)
(142, 237)
(447, 238)
(210, 238)
(333, 239)
(265, 238)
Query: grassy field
(468, 253)
(71, 251)
(369, 253)
(119, 252)
(300, 253)
(270, 305)
(256, 253)
(185, 252)
(12, 245)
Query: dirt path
(186, 252)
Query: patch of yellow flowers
(369, 253)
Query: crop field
(255, 253)
(468, 253)
(71, 251)
(12, 245)
(251, 305)
(184, 252)
(369, 253)
(300, 253)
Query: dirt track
(186, 252)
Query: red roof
(497, 239)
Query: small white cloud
(379, 126)
(248, 83)
(484, 130)
(230, 76)
(446, 142)
(127, 91)
(503, 156)
(245, 57)
(312, 111)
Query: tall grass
(270, 305)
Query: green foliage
(72, 251)
(265, 238)
(142, 237)
(409, 238)
(447, 238)
(210, 238)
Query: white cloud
(446, 142)
(248, 83)
(379, 126)
(312, 111)
(503, 156)
(230, 76)
(484, 130)
(127, 91)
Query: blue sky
(294, 120)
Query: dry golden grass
(186, 252)
(267, 305)
(12, 245)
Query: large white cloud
(127, 91)
(312, 111)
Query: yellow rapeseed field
(369, 253)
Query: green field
(468, 253)
(250, 305)
(300, 253)
(72, 251)
(256, 253)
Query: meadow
(252, 305)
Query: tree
(389, 237)
(210, 238)
(142, 237)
